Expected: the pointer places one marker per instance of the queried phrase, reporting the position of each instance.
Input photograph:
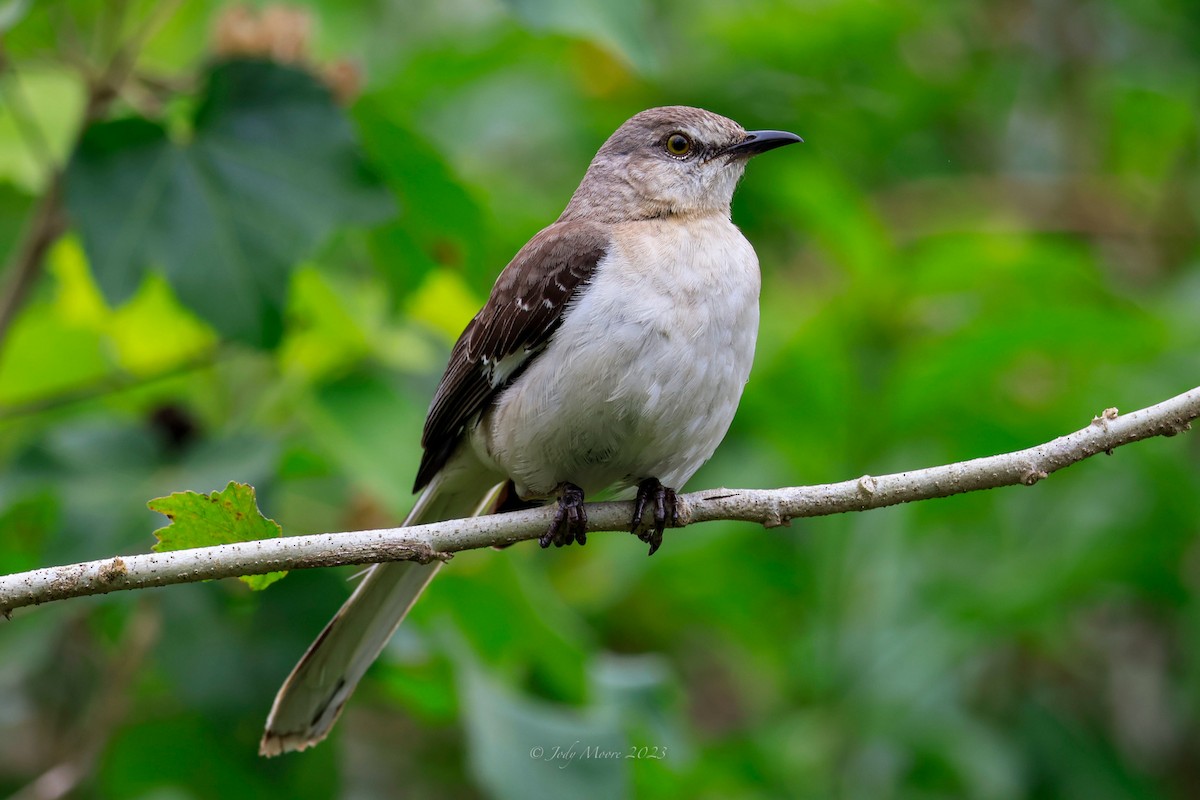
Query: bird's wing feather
(516, 324)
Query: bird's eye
(679, 144)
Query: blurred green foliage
(990, 236)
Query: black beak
(760, 142)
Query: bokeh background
(989, 236)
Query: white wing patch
(500, 371)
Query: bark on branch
(769, 507)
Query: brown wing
(515, 325)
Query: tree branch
(45, 226)
(769, 507)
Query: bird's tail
(312, 697)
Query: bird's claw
(666, 512)
(570, 520)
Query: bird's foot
(666, 512)
(570, 521)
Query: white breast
(644, 376)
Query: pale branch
(769, 507)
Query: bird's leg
(570, 521)
(666, 512)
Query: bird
(610, 356)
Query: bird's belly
(642, 380)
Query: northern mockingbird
(611, 354)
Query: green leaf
(370, 429)
(25, 522)
(42, 100)
(442, 224)
(11, 13)
(40, 337)
(644, 691)
(270, 170)
(225, 517)
(619, 24)
(521, 747)
(14, 208)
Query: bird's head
(667, 161)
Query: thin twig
(46, 224)
(48, 221)
(106, 386)
(769, 507)
(24, 120)
(125, 56)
